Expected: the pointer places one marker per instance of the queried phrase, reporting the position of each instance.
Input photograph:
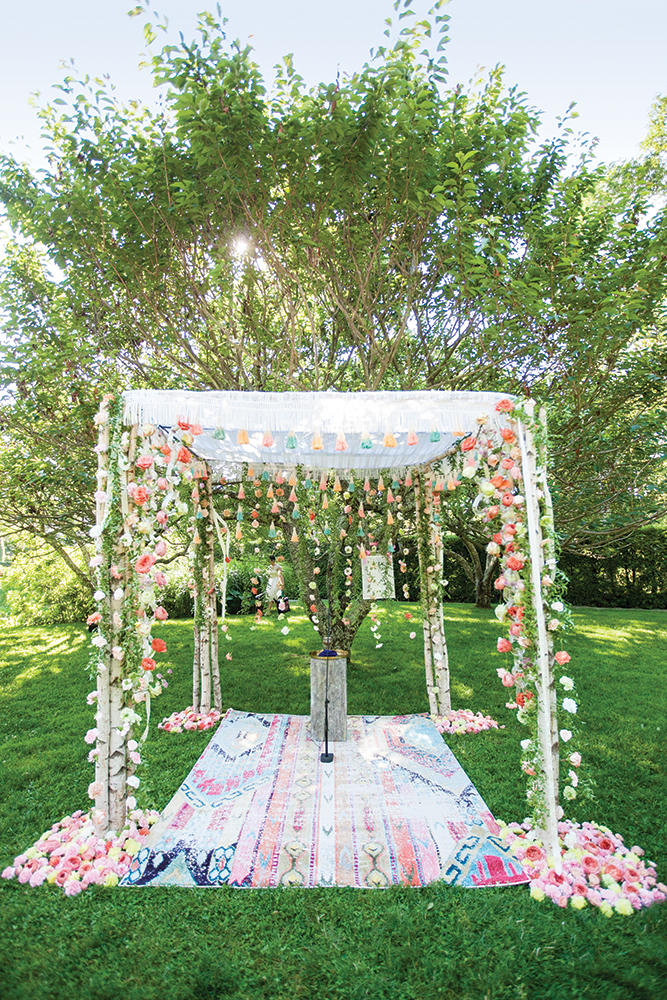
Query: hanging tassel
(324, 481)
(434, 436)
(267, 440)
(293, 480)
(280, 479)
(343, 533)
(272, 530)
(325, 502)
(295, 537)
(408, 481)
(360, 532)
(380, 484)
(219, 434)
(440, 485)
(242, 437)
(269, 493)
(241, 493)
(251, 472)
(316, 443)
(295, 513)
(337, 487)
(275, 509)
(239, 533)
(308, 483)
(395, 484)
(265, 476)
(361, 512)
(389, 440)
(326, 529)
(292, 496)
(367, 484)
(350, 485)
(390, 496)
(362, 552)
(291, 441)
(366, 442)
(341, 443)
(239, 514)
(390, 519)
(390, 547)
(412, 437)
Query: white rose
(99, 641)
(133, 781)
(565, 735)
(525, 744)
(118, 594)
(567, 683)
(553, 625)
(99, 595)
(558, 606)
(570, 705)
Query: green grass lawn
(335, 944)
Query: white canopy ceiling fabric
(365, 419)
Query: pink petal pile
(188, 720)
(71, 856)
(464, 721)
(597, 868)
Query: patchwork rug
(259, 809)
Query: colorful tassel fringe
(389, 440)
(412, 438)
(316, 443)
(341, 443)
(242, 437)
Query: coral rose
(148, 663)
(469, 444)
(144, 461)
(183, 456)
(94, 619)
(503, 645)
(144, 563)
(504, 406)
(562, 657)
(534, 853)
(140, 495)
(507, 500)
(159, 646)
(613, 871)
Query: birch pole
(429, 547)
(212, 595)
(547, 722)
(103, 714)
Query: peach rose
(590, 864)
(562, 657)
(144, 563)
(148, 663)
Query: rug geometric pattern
(259, 809)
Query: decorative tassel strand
(242, 437)
(389, 440)
(316, 443)
(341, 443)
(412, 438)
(267, 440)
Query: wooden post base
(337, 696)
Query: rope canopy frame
(365, 432)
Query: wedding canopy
(350, 430)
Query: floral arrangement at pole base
(71, 856)
(463, 720)
(189, 721)
(597, 868)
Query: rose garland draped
(491, 459)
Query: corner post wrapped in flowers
(547, 707)
(429, 548)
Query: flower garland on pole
(141, 477)
(532, 607)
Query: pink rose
(144, 462)
(161, 547)
(500, 583)
(562, 657)
(575, 760)
(94, 619)
(503, 645)
(590, 864)
(161, 614)
(162, 517)
(507, 679)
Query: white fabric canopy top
(321, 430)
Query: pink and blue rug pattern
(259, 809)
